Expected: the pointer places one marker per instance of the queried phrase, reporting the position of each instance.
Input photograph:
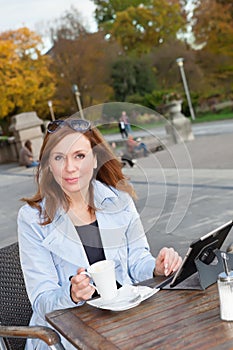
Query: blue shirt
(50, 254)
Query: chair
(15, 307)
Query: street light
(77, 97)
(180, 62)
(50, 104)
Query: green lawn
(207, 117)
(113, 128)
(210, 117)
(3, 138)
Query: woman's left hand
(167, 262)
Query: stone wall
(24, 126)
(8, 152)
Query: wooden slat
(79, 334)
(171, 319)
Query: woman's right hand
(81, 289)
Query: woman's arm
(46, 289)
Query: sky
(37, 14)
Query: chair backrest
(15, 308)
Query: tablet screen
(202, 249)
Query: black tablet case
(205, 275)
(204, 269)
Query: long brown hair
(28, 145)
(109, 172)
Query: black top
(91, 240)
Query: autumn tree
(68, 27)
(26, 83)
(212, 24)
(140, 26)
(167, 71)
(106, 10)
(81, 58)
(132, 78)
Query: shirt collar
(103, 192)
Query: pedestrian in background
(122, 128)
(125, 119)
(136, 145)
(26, 155)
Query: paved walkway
(183, 192)
(186, 191)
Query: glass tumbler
(225, 290)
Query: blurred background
(100, 51)
(60, 57)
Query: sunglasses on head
(79, 125)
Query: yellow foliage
(141, 28)
(25, 80)
(213, 26)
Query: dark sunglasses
(79, 125)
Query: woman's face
(72, 163)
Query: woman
(83, 212)
(26, 155)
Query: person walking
(122, 128)
(125, 119)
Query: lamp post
(50, 104)
(180, 62)
(77, 97)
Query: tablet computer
(202, 249)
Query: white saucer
(128, 297)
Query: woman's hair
(28, 145)
(109, 172)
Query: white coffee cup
(103, 274)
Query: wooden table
(170, 319)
